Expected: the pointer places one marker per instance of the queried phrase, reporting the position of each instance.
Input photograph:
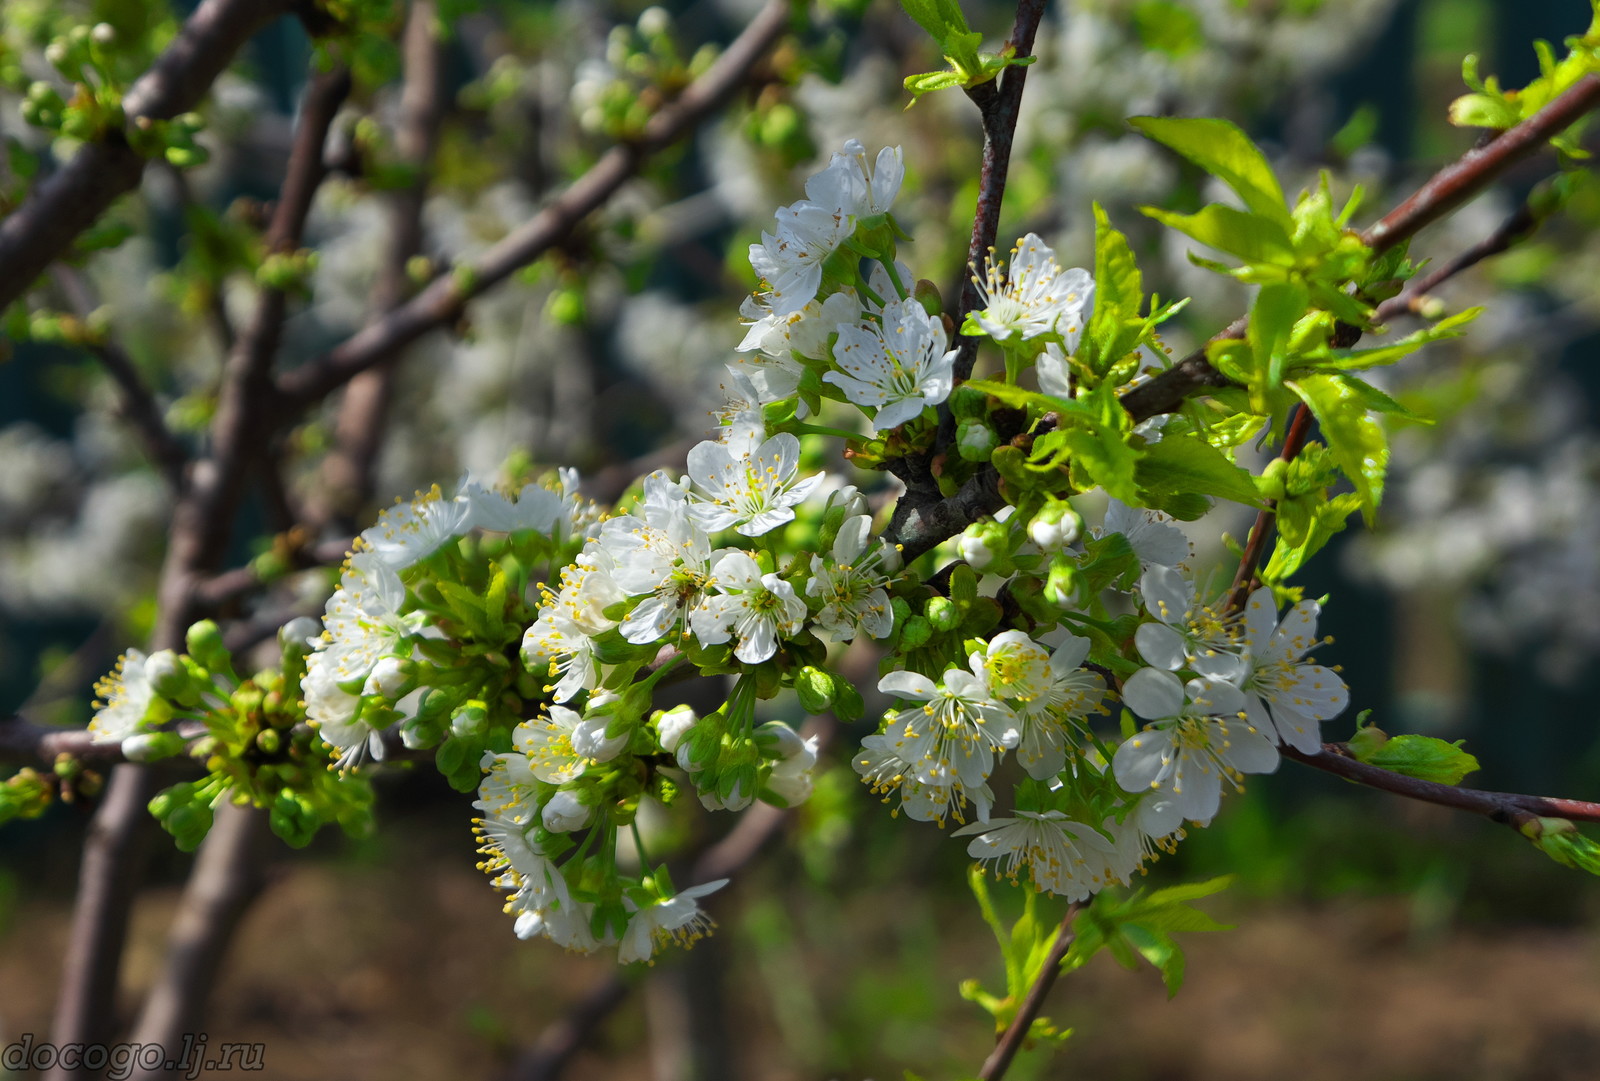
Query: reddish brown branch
(1256, 547)
(442, 302)
(998, 102)
(1519, 225)
(1503, 807)
(999, 1060)
(63, 206)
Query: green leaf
(1253, 238)
(1356, 440)
(1224, 151)
(1115, 326)
(1179, 466)
(1422, 757)
(1356, 359)
(1278, 306)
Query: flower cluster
(522, 637)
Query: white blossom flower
(1186, 633)
(755, 607)
(1151, 534)
(534, 508)
(885, 770)
(851, 586)
(672, 919)
(896, 367)
(953, 736)
(1035, 296)
(751, 493)
(362, 624)
(1063, 857)
(562, 637)
(853, 186)
(1049, 691)
(1054, 371)
(790, 260)
(564, 812)
(407, 533)
(1282, 694)
(791, 777)
(125, 699)
(663, 555)
(1194, 741)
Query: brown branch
(113, 858)
(1507, 807)
(227, 877)
(442, 302)
(68, 202)
(348, 470)
(999, 1060)
(138, 406)
(230, 585)
(201, 528)
(1446, 190)
(1413, 301)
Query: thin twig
(138, 406)
(1506, 807)
(999, 103)
(1293, 442)
(1414, 299)
(999, 1060)
(442, 303)
(68, 202)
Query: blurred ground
(407, 968)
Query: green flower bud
(469, 719)
(815, 688)
(1056, 526)
(847, 703)
(204, 643)
(943, 614)
(1011, 464)
(969, 404)
(975, 440)
(1063, 584)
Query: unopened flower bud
(297, 635)
(565, 812)
(589, 739)
(1055, 527)
(672, 725)
(388, 679)
(975, 440)
(815, 688)
(468, 720)
(777, 740)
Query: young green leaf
(1357, 441)
(1422, 757)
(1179, 466)
(1224, 151)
